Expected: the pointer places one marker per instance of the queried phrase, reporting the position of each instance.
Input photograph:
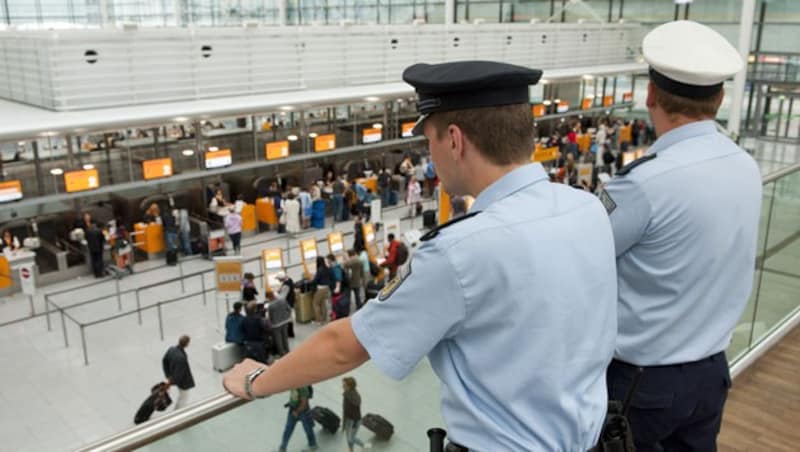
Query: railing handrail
(772, 177)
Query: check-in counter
(149, 238)
(249, 224)
(265, 211)
(9, 269)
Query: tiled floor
(52, 402)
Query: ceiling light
(21, 143)
(588, 77)
(547, 102)
(188, 152)
(372, 99)
(287, 108)
(56, 171)
(88, 166)
(292, 138)
(213, 149)
(544, 81)
(312, 135)
(181, 119)
(377, 125)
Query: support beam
(449, 12)
(737, 96)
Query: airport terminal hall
(400, 225)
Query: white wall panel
(50, 69)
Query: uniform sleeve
(629, 211)
(410, 317)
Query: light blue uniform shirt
(515, 308)
(685, 227)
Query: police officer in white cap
(685, 219)
(489, 298)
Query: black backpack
(401, 255)
(373, 269)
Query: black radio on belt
(616, 435)
(436, 437)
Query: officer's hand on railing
(234, 380)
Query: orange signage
(218, 159)
(608, 101)
(587, 103)
(563, 107)
(228, 274)
(627, 97)
(153, 169)
(309, 249)
(538, 110)
(277, 150)
(271, 264)
(81, 180)
(10, 190)
(407, 127)
(335, 243)
(371, 135)
(324, 143)
(544, 154)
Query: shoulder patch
(402, 273)
(630, 166)
(607, 200)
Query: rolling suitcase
(382, 428)
(326, 418)
(225, 354)
(303, 309)
(429, 219)
(172, 257)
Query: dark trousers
(236, 238)
(256, 351)
(96, 258)
(676, 407)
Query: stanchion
(203, 286)
(83, 344)
(138, 307)
(33, 310)
(180, 272)
(64, 328)
(47, 312)
(119, 298)
(227, 304)
(160, 321)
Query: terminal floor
(763, 408)
(52, 402)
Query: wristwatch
(249, 379)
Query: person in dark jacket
(177, 370)
(358, 234)
(170, 229)
(351, 413)
(255, 329)
(233, 325)
(249, 290)
(95, 241)
(323, 282)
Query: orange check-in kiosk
(265, 212)
(249, 224)
(149, 237)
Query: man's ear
(650, 102)
(457, 142)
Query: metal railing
(168, 424)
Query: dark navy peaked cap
(468, 84)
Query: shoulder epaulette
(435, 231)
(630, 166)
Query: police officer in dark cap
(521, 350)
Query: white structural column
(449, 12)
(282, 12)
(103, 13)
(177, 9)
(745, 38)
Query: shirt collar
(681, 133)
(508, 184)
